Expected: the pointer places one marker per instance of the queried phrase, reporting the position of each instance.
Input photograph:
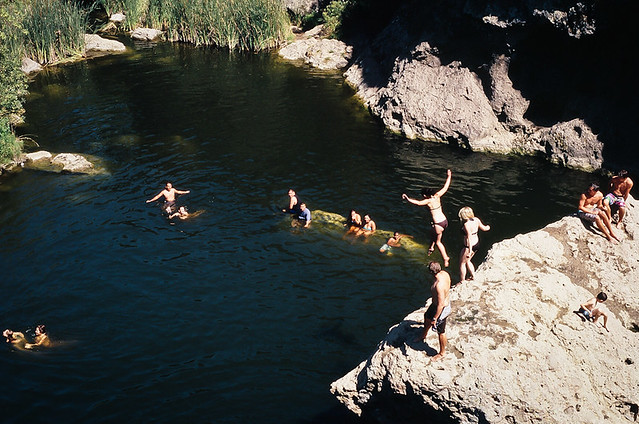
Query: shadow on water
(195, 320)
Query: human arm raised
(449, 175)
(483, 226)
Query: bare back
(621, 186)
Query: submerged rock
(60, 163)
(517, 351)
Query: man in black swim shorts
(439, 310)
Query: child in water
(181, 213)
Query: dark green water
(232, 317)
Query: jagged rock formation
(517, 351)
(318, 52)
(433, 80)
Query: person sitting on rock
(591, 209)
(354, 222)
(303, 217)
(620, 186)
(294, 203)
(368, 227)
(591, 311)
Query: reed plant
(237, 24)
(54, 29)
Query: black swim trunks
(440, 325)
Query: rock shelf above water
(517, 352)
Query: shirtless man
(169, 197)
(41, 338)
(303, 217)
(393, 241)
(439, 310)
(591, 209)
(620, 186)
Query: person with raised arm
(470, 227)
(432, 199)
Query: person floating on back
(432, 199)
(591, 209)
(169, 197)
(620, 186)
(591, 310)
(294, 203)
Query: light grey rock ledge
(517, 352)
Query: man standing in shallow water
(439, 310)
(591, 209)
(169, 197)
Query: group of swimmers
(17, 339)
(359, 225)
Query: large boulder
(61, 163)
(95, 44)
(30, 66)
(517, 351)
(318, 52)
(146, 34)
(301, 7)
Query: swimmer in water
(15, 338)
(181, 213)
(41, 338)
(392, 242)
(169, 193)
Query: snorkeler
(432, 199)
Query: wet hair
(434, 267)
(428, 192)
(466, 213)
(623, 173)
(602, 297)
(594, 186)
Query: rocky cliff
(524, 77)
(518, 352)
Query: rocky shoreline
(518, 352)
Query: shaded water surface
(232, 317)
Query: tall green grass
(13, 86)
(237, 24)
(55, 30)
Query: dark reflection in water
(232, 317)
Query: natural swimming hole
(232, 316)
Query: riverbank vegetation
(236, 24)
